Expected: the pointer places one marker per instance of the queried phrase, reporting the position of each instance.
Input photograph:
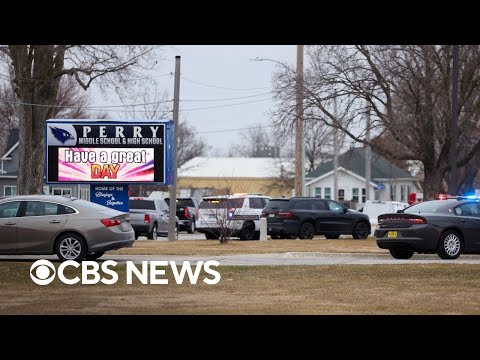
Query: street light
(299, 135)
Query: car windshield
(182, 202)
(221, 203)
(435, 206)
(277, 204)
(141, 204)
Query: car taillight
(185, 212)
(285, 214)
(110, 222)
(147, 218)
(417, 221)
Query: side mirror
(361, 210)
(345, 210)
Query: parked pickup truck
(149, 217)
(187, 212)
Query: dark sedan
(446, 227)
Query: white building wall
(348, 182)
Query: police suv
(236, 215)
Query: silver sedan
(73, 229)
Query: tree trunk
(432, 182)
(34, 70)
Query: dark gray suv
(305, 217)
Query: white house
(388, 181)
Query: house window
(84, 194)
(10, 190)
(328, 194)
(393, 192)
(402, 193)
(61, 191)
(341, 195)
(355, 195)
(318, 192)
(364, 195)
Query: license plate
(392, 234)
(271, 215)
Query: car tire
(332, 236)
(153, 235)
(136, 236)
(306, 231)
(248, 232)
(450, 245)
(401, 254)
(94, 255)
(361, 231)
(191, 227)
(71, 246)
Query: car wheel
(136, 236)
(248, 232)
(332, 236)
(153, 234)
(211, 236)
(450, 245)
(361, 231)
(94, 255)
(71, 247)
(307, 231)
(191, 226)
(401, 254)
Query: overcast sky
(212, 72)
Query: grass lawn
(213, 247)
(338, 289)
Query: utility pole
(299, 147)
(368, 158)
(335, 154)
(452, 186)
(173, 186)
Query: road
(290, 258)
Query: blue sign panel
(112, 196)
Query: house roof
(234, 167)
(354, 161)
(13, 139)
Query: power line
(229, 130)
(221, 106)
(223, 87)
(7, 77)
(234, 98)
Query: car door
(9, 212)
(163, 220)
(321, 217)
(39, 226)
(339, 220)
(469, 217)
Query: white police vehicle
(236, 215)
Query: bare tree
(406, 88)
(156, 105)
(255, 142)
(36, 71)
(9, 112)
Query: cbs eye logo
(42, 272)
